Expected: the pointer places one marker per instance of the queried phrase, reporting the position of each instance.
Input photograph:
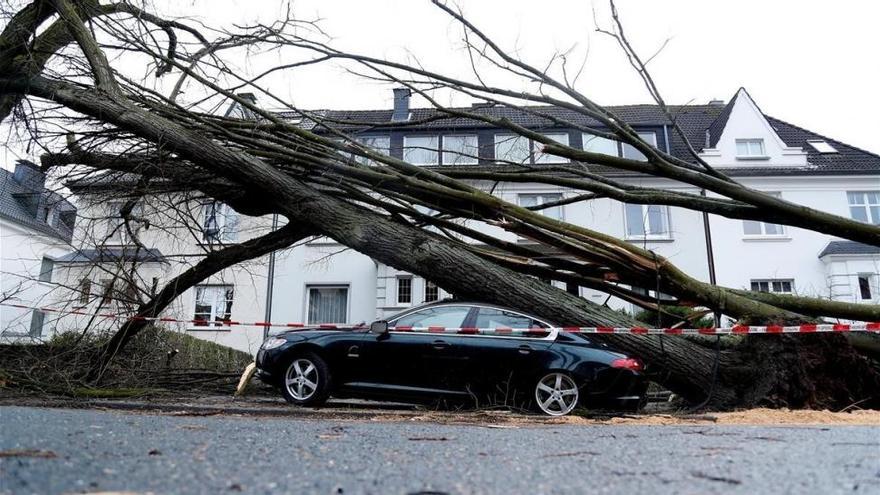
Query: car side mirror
(379, 327)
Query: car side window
(443, 316)
(494, 318)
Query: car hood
(315, 331)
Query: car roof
(463, 302)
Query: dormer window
(520, 149)
(750, 149)
(822, 146)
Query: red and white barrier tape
(734, 330)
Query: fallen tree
(318, 181)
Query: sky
(809, 62)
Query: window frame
(534, 155)
(47, 266)
(769, 282)
(586, 137)
(748, 143)
(368, 141)
(423, 149)
(625, 147)
(399, 285)
(224, 234)
(464, 159)
(667, 236)
(308, 298)
(425, 288)
(783, 231)
(541, 200)
(866, 205)
(212, 324)
(870, 286)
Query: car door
(502, 362)
(414, 362)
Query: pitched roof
(694, 120)
(848, 247)
(717, 127)
(26, 206)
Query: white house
(36, 225)
(321, 281)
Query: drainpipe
(710, 255)
(270, 282)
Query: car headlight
(273, 343)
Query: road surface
(69, 451)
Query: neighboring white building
(321, 281)
(35, 230)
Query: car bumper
(618, 389)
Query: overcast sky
(812, 63)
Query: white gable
(746, 122)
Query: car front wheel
(556, 394)
(306, 380)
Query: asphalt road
(65, 451)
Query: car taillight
(628, 363)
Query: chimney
(29, 175)
(401, 105)
(716, 103)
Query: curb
(186, 409)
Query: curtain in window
(328, 305)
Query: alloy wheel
(301, 379)
(556, 394)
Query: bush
(155, 358)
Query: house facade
(36, 226)
(321, 281)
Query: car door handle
(440, 344)
(524, 349)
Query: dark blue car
(412, 358)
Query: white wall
(21, 254)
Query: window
(46, 267)
(529, 200)
(865, 289)
(85, 291)
(432, 291)
(404, 290)
(379, 144)
(421, 150)
(327, 304)
(106, 290)
(512, 148)
(647, 221)
(633, 154)
(561, 138)
(220, 222)
(773, 286)
(597, 144)
(460, 150)
(750, 148)
(520, 149)
(116, 233)
(762, 229)
(494, 318)
(822, 146)
(444, 316)
(213, 305)
(864, 206)
(37, 320)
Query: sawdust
(781, 417)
